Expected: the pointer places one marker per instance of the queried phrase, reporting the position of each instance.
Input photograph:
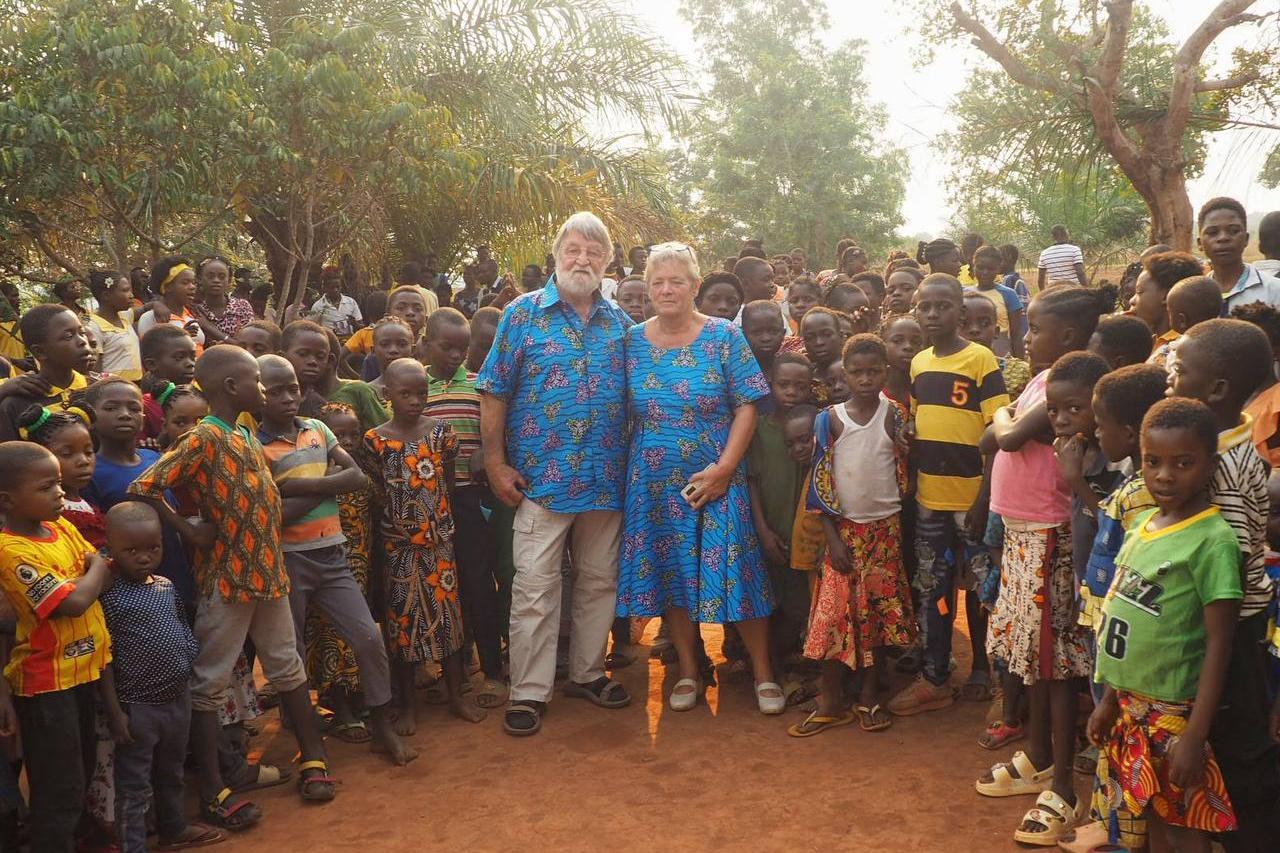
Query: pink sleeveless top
(1027, 485)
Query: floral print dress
(682, 404)
(421, 580)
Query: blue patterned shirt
(566, 394)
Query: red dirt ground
(722, 777)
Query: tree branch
(1186, 63)
(985, 41)
(1227, 82)
(1100, 88)
(52, 253)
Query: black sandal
(318, 787)
(236, 817)
(603, 692)
(523, 718)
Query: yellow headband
(176, 271)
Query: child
(1010, 317)
(259, 337)
(802, 294)
(407, 302)
(863, 601)
(1033, 628)
(956, 388)
(174, 283)
(764, 328)
(1165, 641)
(1190, 301)
(1010, 277)
(1122, 340)
(183, 408)
(807, 537)
(241, 576)
(392, 339)
(149, 710)
(774, 480)
(902, 340)
(720, 295)
(1221, 363)
(847, 298)
(331, 665)
(309, 469)
(1264, 408)
(872, 286)
(980, 327)
(820, 329)
(57, 342)
(1160, 272)
(836, 383)
(411, 459)
(632, 297)
(66, 434)
(168, 355)
(484, 326)
(313, 352)
(1223, 236)
(113, 320)
(900, 289)
(52, 578)
(453, 399)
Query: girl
(1165, 642)
(409, 304)
(863, 604)
(392, 339)
(220, 314)
(941, 255)
(331, 665)
(820, 329)
(175, 282)
(183, 407)
(902, 338)
(1033, 627)
(410, 461)
(803, 294)
(899, 289)
(113, 321)
(720, 295)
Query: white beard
(577, 289)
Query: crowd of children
(1089, 478)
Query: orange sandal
(999, 734)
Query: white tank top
(864, 468)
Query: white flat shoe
(687, 700)
(770, 704)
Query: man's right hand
(507, 483)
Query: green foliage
(785, 145)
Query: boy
(149, 711)
(1190, 301)
(258, 337)
(1122, 340)
(1269, 244)
(52, 579)
(1224, 234)
(980, 328)
(764, 328)
(484, 326)
(168, 355)
(335, 309)
(808, 541)
(1221, 363)
(632, 297)
(313, 352)
(408, 302)
(57, 341)
(1010, 316)
(452, 397)
(956, 388)
(775, 480)
(240, 571)
(820, 328)
(303, 454)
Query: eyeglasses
(591, 253)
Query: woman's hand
(709, 485)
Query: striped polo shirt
(51, 652)
(953, 398)
(305, 455)
(457, 402)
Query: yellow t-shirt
(361, 341)
(11, 346)
(52, 652)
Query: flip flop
(351, 732)
(867, 718)
(492, 694)
(208, 835)
(816, 725)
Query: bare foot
(406, 720)
(465, 710)
(387, 742)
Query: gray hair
(673, 251)
(587, 225)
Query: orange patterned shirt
(226, 473)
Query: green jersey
(1152, 638)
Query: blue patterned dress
(681, 404)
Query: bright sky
(917, 99)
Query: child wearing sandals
(863, 601)
(1165, 642)
(1034, 627)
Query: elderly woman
(689, 550)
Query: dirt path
(721, 777)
